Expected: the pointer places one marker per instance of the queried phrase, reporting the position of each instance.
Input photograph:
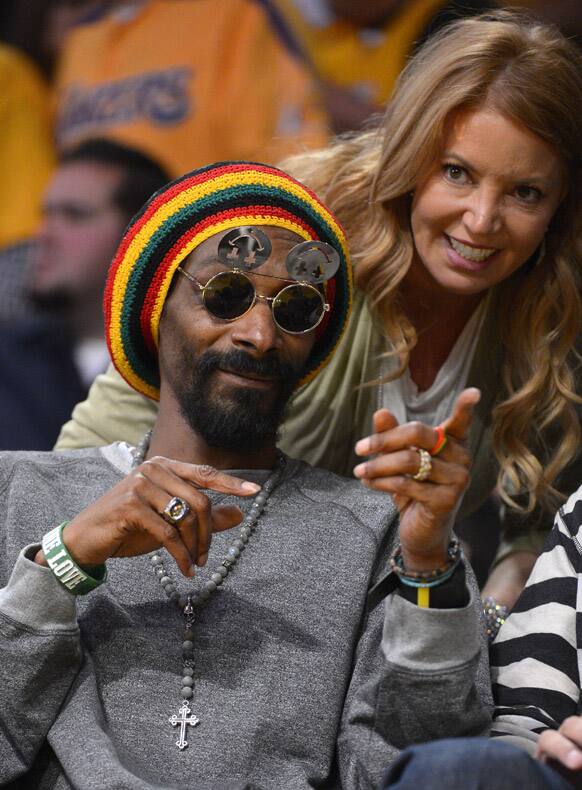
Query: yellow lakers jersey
(368, 61)
(26, 145)
(188, 82)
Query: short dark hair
(142, 175)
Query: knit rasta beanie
(182, 215)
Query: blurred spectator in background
(39, 27)
(356, 49)
(31, 34)
(189, 83)
(50, 356)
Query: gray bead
(204, 594)
(187, 692)
(187, 680)
(188, 671)
(233, 552)
(244, 537)
(156, 559)
(189, 634)
(175, 595)
(160, 572)
(210, 587)
(261, 497)
(187, 646)
(217, 579)
(238, 544)
(223, 571)
(165, 580)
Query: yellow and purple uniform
(26, 148)
(367, 61)
(188, 82)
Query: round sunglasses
(298, 308)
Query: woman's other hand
(562, 749)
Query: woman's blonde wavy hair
(526, 70)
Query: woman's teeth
(470, 253)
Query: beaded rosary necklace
(188, 604)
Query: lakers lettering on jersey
(188, 82)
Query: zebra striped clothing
(536, 659)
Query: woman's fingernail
(202, 559)
(360, 470)
(252, 488)
(363, 447)
(191, 570)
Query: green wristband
(70, 575)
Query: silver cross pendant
(185, 719)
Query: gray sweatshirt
(297, 684)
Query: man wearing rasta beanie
(202, 611)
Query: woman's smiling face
(484, 208)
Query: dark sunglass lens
(229, 295)
(298, 308)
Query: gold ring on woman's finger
(441, 440)
(425, 466)
(175, 510)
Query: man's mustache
(240, 362)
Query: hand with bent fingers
(126, 521)
(562, 749)
(426, 507)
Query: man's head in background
(96, 189)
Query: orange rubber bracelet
(441, 441)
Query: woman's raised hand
(427, 506)
(128, 520)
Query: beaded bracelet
(495, 615)
(73, 578)
(425, 580)
(425, 577)
(428, 584)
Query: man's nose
(256, 330)
(483, 213)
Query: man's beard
(241, 420)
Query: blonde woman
(465, 223)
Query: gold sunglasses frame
(271, 300)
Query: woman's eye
(528, 194)
(456, 174)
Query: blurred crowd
(104, 101)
